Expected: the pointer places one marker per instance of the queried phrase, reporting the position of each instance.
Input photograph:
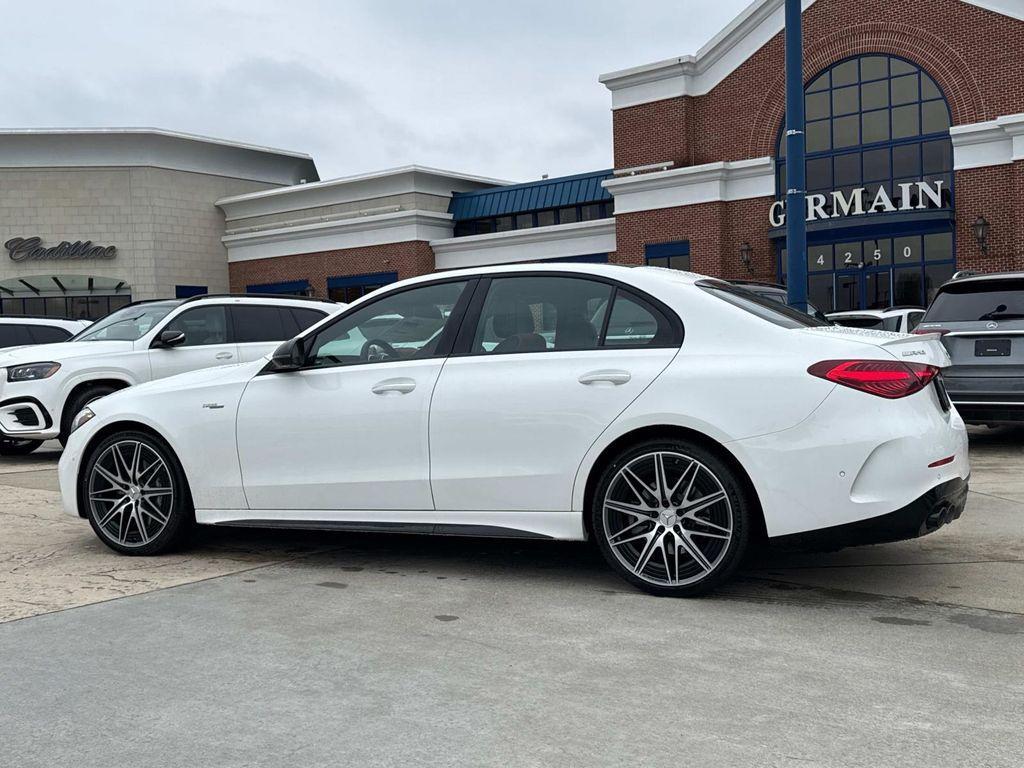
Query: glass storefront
(878, 273)
(876, 122)
(77, 297)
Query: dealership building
(915, 169)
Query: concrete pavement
(255, 649)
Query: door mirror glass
(290, 356)
(171, 338)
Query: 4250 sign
(31, 249)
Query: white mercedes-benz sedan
(674, 419)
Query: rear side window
(635, 322)
(766, 309)
(48, 334)
(14, 335)
(978, 300)
(303, 318)
(256, 323)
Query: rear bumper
(987, 399)
(941, 505)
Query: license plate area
(992, 348)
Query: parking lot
(279, 649)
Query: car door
(540, 370)
(260, 328)
(207, 342)
(349, 430)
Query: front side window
(128, 324)
(537, 314)
(404, 325)
(202, 326)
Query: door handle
(394, 387)
(224, 355)
(613, 377)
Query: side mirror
(170, 339)
(290, 356)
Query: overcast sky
(493, 88)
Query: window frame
(444, 344)
(463, 346)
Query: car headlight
(32, 371)
(84, 417)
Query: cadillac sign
(913, 196)
(31, 249)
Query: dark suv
(981, 319)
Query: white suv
(43, 387)
(25, 330)
(896, 319)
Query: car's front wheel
(671, 518)
(135, 494)
(10, 446)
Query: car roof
(983, 278)
(627, 274)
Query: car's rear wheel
(10, 446)
(135, 494)
(671, 517)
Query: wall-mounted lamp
(981, 227)
(745, 253)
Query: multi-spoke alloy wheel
(670, 518)
(132, 490)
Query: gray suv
(981, 319)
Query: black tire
(11, 446)
(98, 495)
(77, 403)
(679, 573)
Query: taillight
(923, 331)
(877, 377)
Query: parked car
(895, 319)
(42, 388)
(26, 330)
(724, 417)
(981, 319)
(777, 293)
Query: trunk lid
(923, 348)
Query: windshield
(769, 309)
(978, 300)
(128, 324)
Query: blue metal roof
(534, 195)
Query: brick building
(915, 169)
(915, 137)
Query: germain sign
(860, 203)
(31, 249)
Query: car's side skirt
(564, 525)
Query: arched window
(873, 122)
